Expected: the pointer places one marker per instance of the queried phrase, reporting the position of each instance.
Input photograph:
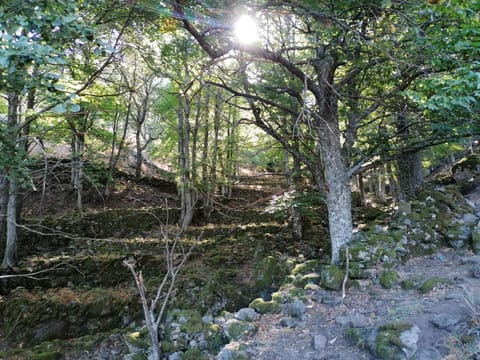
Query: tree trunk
(11, 242)
(4, 189)
(297, 221)
(338, 192)
(139, 151)
(409, 164)
(77, 166)
(187, 198)
(361, 188)
(116, 149)
(380, 188)
(9, 194)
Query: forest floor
(447, 316)
(443, 315)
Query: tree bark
(116, 149)
(4, 189)
(9, 190)
(409, 164)
(337, 181)
(12, 212)
(187, 198)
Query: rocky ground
(438, 318)
(413, 292)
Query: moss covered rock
(236, 329)
(389, 278)
(476, 240)
(270, 271)
(264, 307)
(433, 283)
(331, 277)
(396, 341)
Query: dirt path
(441, 315)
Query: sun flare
(246, 30)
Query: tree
(323, 61)
(37, 41)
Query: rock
(233, 351)
(404, 208)
(471, 260)
(55, 329)
(431, 284)
(236, 330)
(467, 170)
(289, 322)
(427, 354)
(304, 280)
(475, 271)
(357, 271)
(331, 277)
(469, 219)
(476, 239)
(295, 309)
(459, 236)
(246, 314)
(319, 342)
(138, 341)
(264, 307)
(445, 321)
(357, 321)
(397, 340)
(306, 267)
(389, 278)
(176, 356)
(270, 271)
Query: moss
(270, 271)
(48, 355)
(139, 356)
(139, 339)
(476, 241)
(354, 335)
(194, 354)
(388, 344)
(306, 267)
(332, 277)
(357, 270)
(296, 292)
(408, 284)
(167, 346)
(471, 162)
(281, 297)
(312, 278)
(430, 284)
(264, 307)
(236, 329)
(373, 213)
(389, 278)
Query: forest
(147, 119)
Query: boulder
(331, 277)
